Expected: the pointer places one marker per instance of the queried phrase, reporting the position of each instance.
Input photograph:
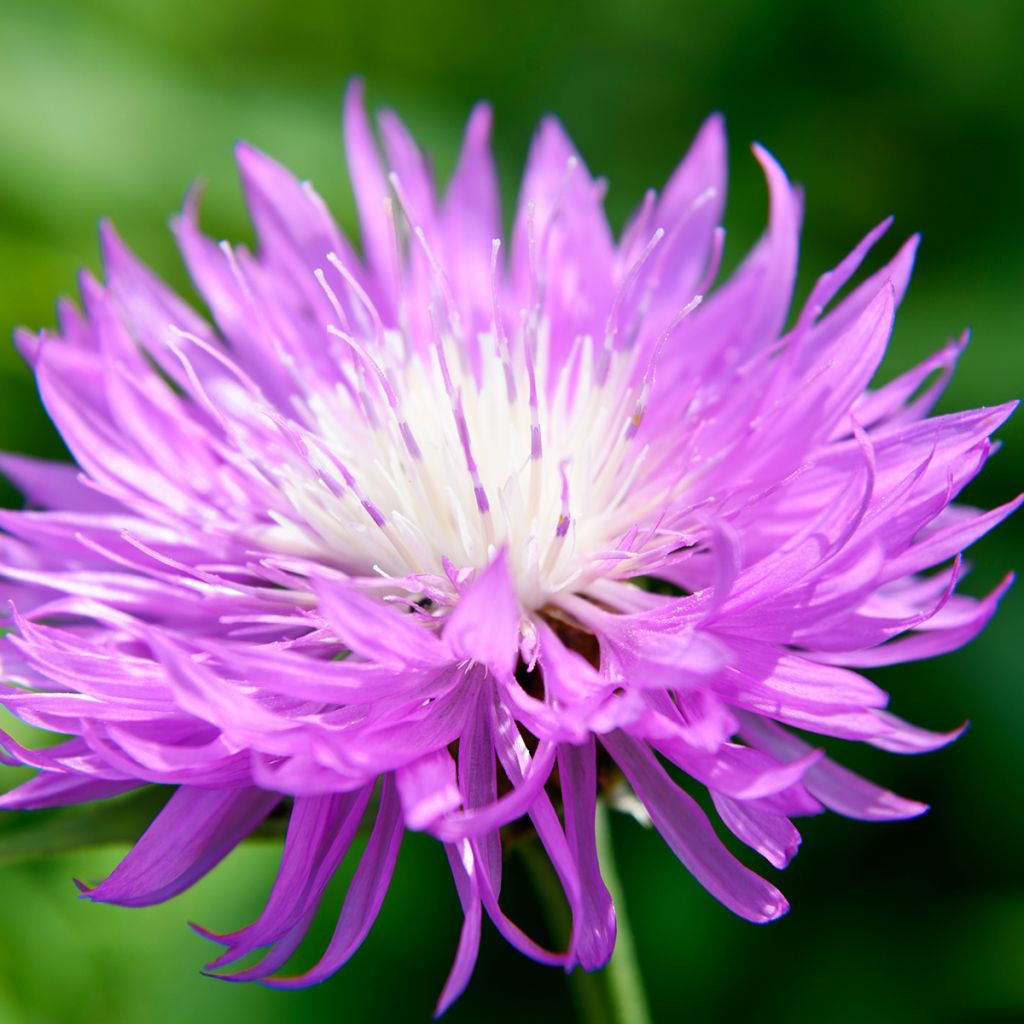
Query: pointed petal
(484, 626)
(687, 830)
(365, 893)
(188, 838)
(836, 787)
(594, 935)
(371, 189)
(772, 835)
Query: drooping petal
(838, 788)
(428, 789)
(365, 893)
(190, 836)
(320, 832)
(594, 935)
(686, 829)
(772, 835)
(51, 790)
(460, 856)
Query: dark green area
(113, 107)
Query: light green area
(114, 107)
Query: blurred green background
(113, 107)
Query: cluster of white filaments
(425, 457)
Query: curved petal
(686, 829)
(188, 838)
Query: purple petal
(428, 789)
(47, 790)
(370, 187)
(684, 826)
(594, 934)
(365, 893)
(484, 626)
(772, 835)
(53, 484)
(188, 838)
(320, 832)
(836, 787)
(377, 631)
(460, 856)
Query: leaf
(25, 835)
(30, 835)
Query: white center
(391, 485)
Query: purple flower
(462, 532)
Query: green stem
(614, 995)
(625, 982)
(588, 989)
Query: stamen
(339, 311)
(501, 339)
(282, 354)
(385, 385)
(638, 226)
(555, 476)
(611, 325)
(363, 299)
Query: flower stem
(625, 983)
(588, 989)
(615, 994)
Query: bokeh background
(113, 107)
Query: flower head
(421, 537)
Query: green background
(112, 107)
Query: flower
(457, 533)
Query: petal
(188, 838)
(594, 933)
(470, 221)
(428, 789)
(460, 856)
(684, 826)
(484, 626)
(562, 252)
(52, 790)
(836, 787)
(371, 190)
(53, 484)
(689, 209)
(288, 216)
(772, 835)
(365, 893)
(377, 631)
(320, 832)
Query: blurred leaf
(30, 835)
